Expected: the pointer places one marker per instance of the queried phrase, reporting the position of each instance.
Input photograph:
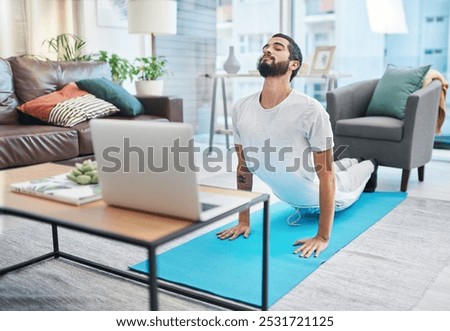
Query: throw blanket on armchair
(429, 77)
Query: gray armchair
(404, 144)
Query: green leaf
(68, 47)
(149, 68)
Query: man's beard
(274, 69)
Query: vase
(149, 87)
(231, 65)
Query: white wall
(112, 39)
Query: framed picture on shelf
(323, 59)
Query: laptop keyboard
(207, 206)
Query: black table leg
(152, 279)
(265, 267)
(55, 241)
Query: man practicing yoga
(285, 138)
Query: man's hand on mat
(234, 232)
(310, 245)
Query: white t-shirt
(278, 144)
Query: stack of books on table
(59, 188)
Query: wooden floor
(435, 186)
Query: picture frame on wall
(322, 60)
(112, 13)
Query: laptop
(149, 166)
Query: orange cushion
(40, 107)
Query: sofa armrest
(350, 101)
(163, 106)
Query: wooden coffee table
(127, 226)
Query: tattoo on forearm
(241, 179)
(244, 182)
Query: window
(255, 43)
(360, 52)
(321, 38)
(243, 44)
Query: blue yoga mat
(233, 269)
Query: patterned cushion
(67, 107)
(79, 109)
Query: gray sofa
(406, 144)
(25, 140)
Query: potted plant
(148, 71)
(121, 68)
(68, 47)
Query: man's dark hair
(294, 51)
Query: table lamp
(154, 17)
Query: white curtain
(26, 24)
(11, 31)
